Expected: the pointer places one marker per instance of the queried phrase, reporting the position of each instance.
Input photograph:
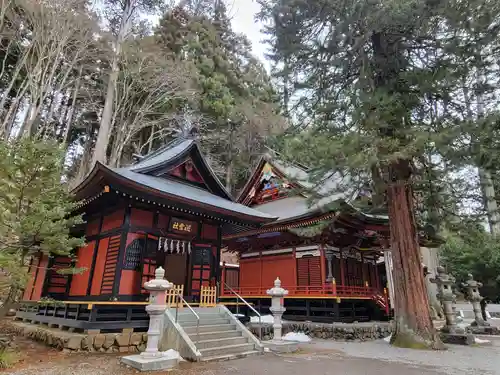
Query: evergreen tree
(35, 207)
(365, 76)
(235, 98)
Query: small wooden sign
(182, 226)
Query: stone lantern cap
(277, 291)
(158, 283)
(471, 283)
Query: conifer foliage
(375, 90)
(35, 206)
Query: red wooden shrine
(325, 255)
(168, 209)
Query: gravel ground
(457, 360)
(317, 358)
(302, 363)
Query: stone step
(216, 335)
(228, 357)
(209, 328)
(228, 349)
(203, 322)
(214, 343)
(202, 316)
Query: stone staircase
(220, 335)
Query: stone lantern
(445, 295)
(475, 298)
(152, 358)
(277, 306)
(277, 344)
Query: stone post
(152, 358)
(445, 295)
(475, 298)
(277, 309)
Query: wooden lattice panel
(172, 300)
(57, 283)
(112, 254)
(309, 271)
(208, 296)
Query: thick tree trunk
(230, 161)
(414, 328)
(489, 199)
(101, 145)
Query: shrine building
(169, 209)
(330, 256)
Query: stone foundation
(335, 331)
(125, 342)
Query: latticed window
(136, 250)
(201, 256)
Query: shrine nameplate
(182, 226)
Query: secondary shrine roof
(304, 197)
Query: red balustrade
(325, 290)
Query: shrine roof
(189, 192)
(174, 153)
(152, 176)
(311, 197)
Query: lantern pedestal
(280, 346)
(143, 363)
(152, 359)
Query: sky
(243, 13)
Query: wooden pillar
(295, 277)
(260, 269)
(121, 252)
(223, 278)
(218, 276)
(363, 269)
(322, 263)
(342, 269)
(377, 277)
(35, 278)
(336, 311)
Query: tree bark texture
(490, 203)
(101, 146)
(414, 327)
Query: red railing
(326, 290)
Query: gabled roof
(175, 153)
(150, 177)
(334, 190)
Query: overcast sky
(243, 13)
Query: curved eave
(82, 190)
(107, 176)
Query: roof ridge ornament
(189, 130)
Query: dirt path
(318, 358)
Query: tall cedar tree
(235, 97)
(362, 71)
